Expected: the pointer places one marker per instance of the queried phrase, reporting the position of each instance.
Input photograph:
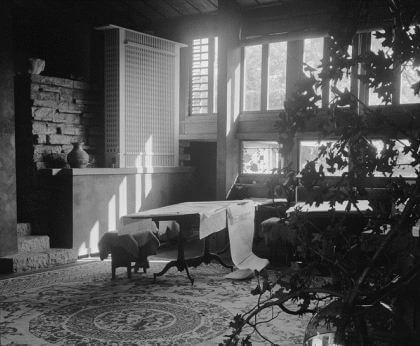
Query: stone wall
(64, 111)
(52, 113)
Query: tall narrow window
(375, 47)
(343, 83)
(277, 58)
(204, 76)
(409, 76)
(313, 52)
(252, 78)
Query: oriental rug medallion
(80, 305)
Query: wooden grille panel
(144, 130)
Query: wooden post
(8, 211)
(228, 97)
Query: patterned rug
(80, 305)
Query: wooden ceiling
(157, 10)
(150, 11)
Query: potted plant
(360, 277)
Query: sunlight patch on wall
(236, 92)
(82, 248)
(94, 238)
(138, 195)
(122, 198)
(112, 211)
(229, 108)
(147, 184)
(148, 149)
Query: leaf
(416, 88)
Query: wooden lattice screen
(141, 99)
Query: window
(408, 76)
(260, 157)
(276, 89)
(252, 78)
(404, 161)
(309, 150)
(313, 52)
(204, 76)
(343, 83)
(375, 46)
(264, 82)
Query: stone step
(23, 229)
(27, 261)
(33, 243)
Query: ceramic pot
(77, 157)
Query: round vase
(77, 157)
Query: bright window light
(404, 161)
(252, 78)
(260, 157)
(277, 62)
(309, 151)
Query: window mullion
(211, 76)
(264, 77)
(354, 85)
(396, 85)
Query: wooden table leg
(185, 223)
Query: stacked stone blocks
(64, 111)
(34, 253)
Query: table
(212, 216)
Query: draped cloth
(241, 235)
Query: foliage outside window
(260, 157)
(204, 76)
(343, 84)
(406, 78)
(409, 76)
(310, 150)
(252, 78)
(276, 89)
(403, 161)
(313, 52)
(264, 79)
(377, 48)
